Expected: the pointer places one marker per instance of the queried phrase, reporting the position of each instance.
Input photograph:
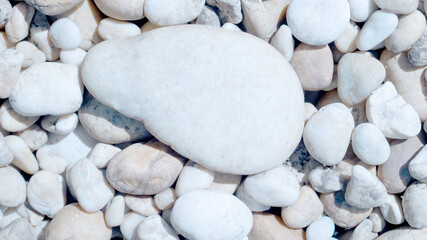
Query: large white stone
(202, 214)
(48, 88)
(391, 113)
(318, 22)
(250, 125)
(414, 206)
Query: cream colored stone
(122, 10)
(144, 169)
(13, 193)
(394, 173)
(277, 187)
(143, 205)
(261, 18)
(398, 6)
(49, 7)
(369, 144)
(11, 121)
(62, 125)
(283, 41)
(110, 28)
(115, 211)
(343, 214)
(50, 160)
(87, 18)
(391, 113)
(364, 231)
(23, 157)
(402, 233)
(148, 26)
(414, 206)
(267, 226)
(310, 110)
(47, 192)
(346, 43)
(102, 153)
(358, 76)
(378, 220)
(304, 211)
(193, 177)
(166, 13)
(19, 23)
(306, 56)
(336, 120)
(408, 31)
(10, 67)
(408, 80)
(72, 222)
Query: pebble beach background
(213, 119)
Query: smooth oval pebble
(47, 88)
(336, 120)
(268, 226)
(13, 193)
(65, 34)
(369, 144)
(418, 166)
(360, 10)
(122, 10)
(166, 13)
(318, 22)
(144, 169)
(110, 28)
(413, 204)
(251, 130)
(201, 214)
(398, 6)
(49, 7)
(321, 229)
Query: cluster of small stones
(213, 119)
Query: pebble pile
(213, 119)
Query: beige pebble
(35, 137)
(50, 160)
(346, 43)
(19, 23)
(165, 200)
(12, 121)
(110, 28)
(313, 78)
(309, 110)
(225, 182)
(267, 226)
(72, 222)
(144, 169)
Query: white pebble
(193, 176)
(166, 13)
(50, 160)
(102, 153)
(249, 201)
(110, 28)
(62, 125)
(32, 54)
(23, 157)
(165, 200)
(115, 211)
(392, 209)
(154, 227)
(283, 41)
(326, 180)
(14, 192)
(143, 205)
(35, 137)
(369, 144)
(10, 67)
(47, 192)
(360, 10)
(19, 23)
(226, 182)
(321, 229)
(414, 206)
(6, 154)
(73, 57)
(11, 121)
(65, 34)
(418, 165)
(130, 221)
(346, 43)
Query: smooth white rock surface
(23, 158)
(14, 192)
(213, 144)
(143, 205)
(73, 57)
(165, 199)
(360, 10)
(321, 229)
(192, 177)
(6, 154)
(115, 211)
(418, 165)
(50, 160)
(19, 23)
(62, 125)
(283, 41)
(414, 206)
(392, 209)
(369, 144)
(31, 53)
(154, 227)
(166, 13)
(110, 28)
(10, 66)
(11, 121)
(318, 22)
(201, 214)
(65, 34)
(102, 153)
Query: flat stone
(72, 222)
(245, 109)
(317, 22)
(358, 76)
(49, 7)
(335, 120)
(305, 56)
(107, 125)
(203, 213)
(122, 10)
(144, 169)
(48, 88)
